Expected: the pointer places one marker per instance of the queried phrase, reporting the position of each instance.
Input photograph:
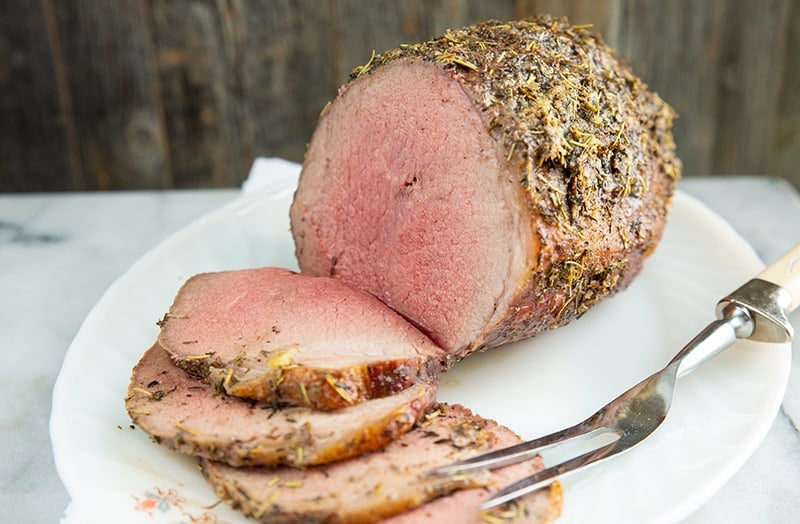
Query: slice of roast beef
(276, 336)
(187, 415)
(489, 184)
(390, 481)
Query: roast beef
(187, 415)
(391, 481)
(273, 335)
(488, 184)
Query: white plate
(720, 413)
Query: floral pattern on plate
(168, 502)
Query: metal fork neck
(736, 322)
(757, 311)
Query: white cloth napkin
(264, 173)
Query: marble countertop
(59, 252)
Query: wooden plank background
(133, 94)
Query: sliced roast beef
(489, 184)
(273, 335)
(390, 481)
(187, 415)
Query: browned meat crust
(272, 335)
(187, 415)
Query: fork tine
(546, 476)
(518, 452)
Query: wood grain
(749, 83)
(601, 14)
(288, 74)
(106, 52)
(445, 14)
(385, 25)
(196, 47)
(681, 68)
(784, 153)
(34, 153)
(132, 94)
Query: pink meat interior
(405, 193)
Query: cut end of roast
(276, 336)
(390, 482)
(404, 194)
(187, 415)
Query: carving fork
(757, 311)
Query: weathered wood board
(134, 94)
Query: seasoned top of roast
(189, 416)
(386, 482)
(273, 335)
